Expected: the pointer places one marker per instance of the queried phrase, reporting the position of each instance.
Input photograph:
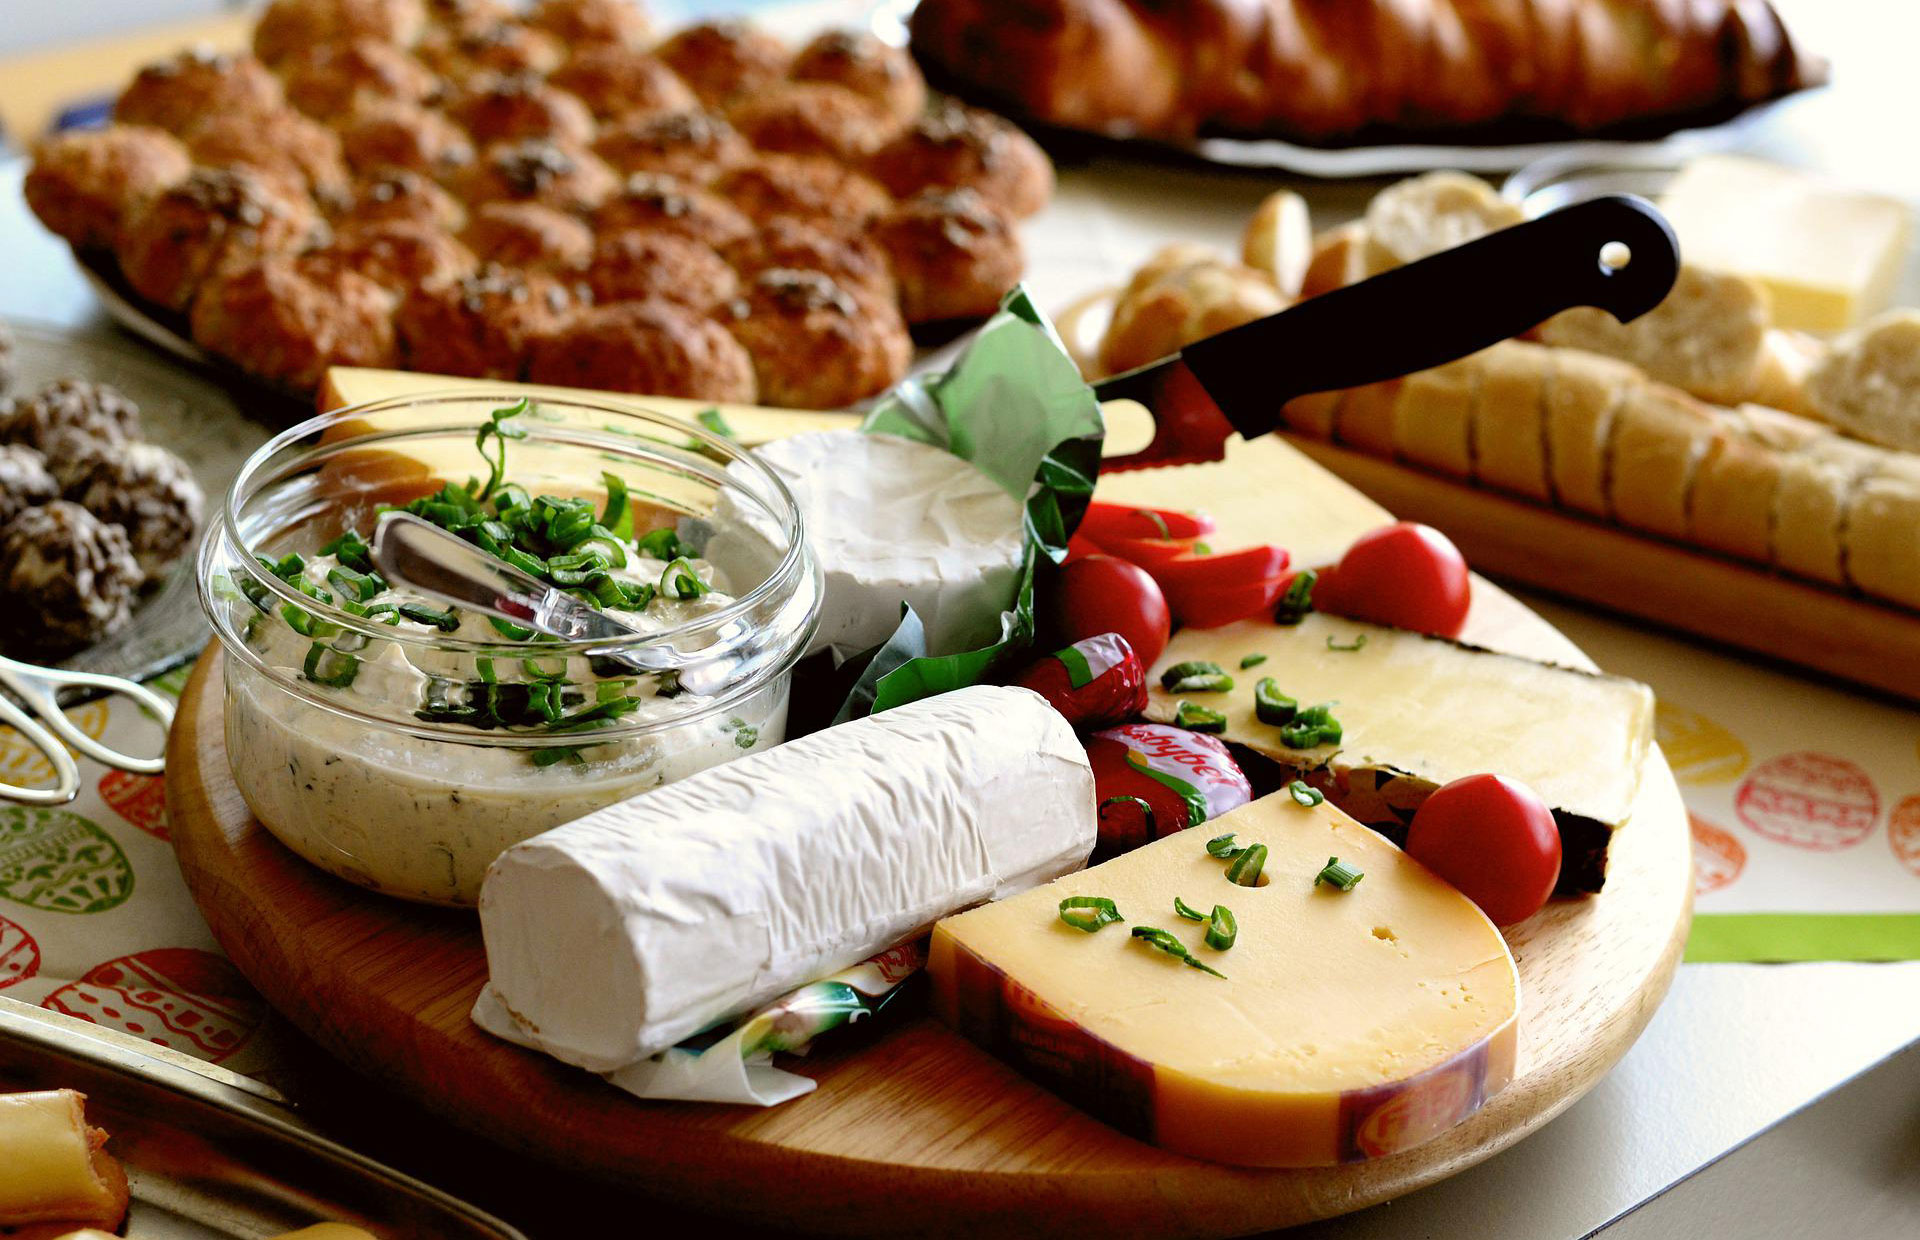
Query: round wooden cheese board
(909, 1117)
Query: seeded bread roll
(1509, 424)
(84, 183)
(1583, 402)
(1706, 338)
(1868, 385)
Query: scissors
(38, 687)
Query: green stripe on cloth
(1777, 937)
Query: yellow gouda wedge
(1418, 712)
(1349, 1024)
(49, 1168)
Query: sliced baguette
(1509, 443)
(1882, 553)
(1732, 507)
(1582, 404)
(1185, 293)
(1339, 259)
(1279, 241)
(1817, 485)
(1659, 439)
(1433, 419)
(1868, 384)
(1787, 362)
(1314, 414)
(1429, 213)
(1706, 338)
(1365, 418)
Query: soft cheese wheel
(1883, 531)
(1582, 403)
(1659, 439)
(893, 521)
(1432, 421)
(1349, 1025)
(53, 1168)
(1509, 419)
(1810, 507)
(614, 937)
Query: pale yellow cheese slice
(1349, 1024)
(1829, 255)
(49, 1170)
(1419, 712)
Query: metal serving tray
(210, 1154)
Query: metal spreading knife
(1424, 314)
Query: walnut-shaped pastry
(559, 175)
(25, 481)
(286, 319)
(289, 27)
(877, 71)
(617, 81)
(726, 60)
(954, 253)
(816, 346)
(586, 23)
(812, 118)
(640, 264)
(503, 107)
(526, 234)
(855, 260)
(84, 182)
(332, 81)
(404, 135)
(68, 578)
(651, 347)
(150, 493)
(693, 145)
(179, 92)
(397, 195)
(295, 150)
(660, 203)
(97, 409)
(398, 256)
(216, 217)
(957, 147)
(805, 185)
(481, 326)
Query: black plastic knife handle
(1441, 308)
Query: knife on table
(1617, 253)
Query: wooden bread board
(1724, 600)
(907, 1112)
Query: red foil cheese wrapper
(1152, 780)
(1094, 682)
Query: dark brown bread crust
(1332, 70)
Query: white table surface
(1736, 1048)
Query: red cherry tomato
(1494, 839)
(1079, 547)
(1407, 575)
(1104, 521)
(1101, 594)
(1207, 591)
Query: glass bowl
(406, 758)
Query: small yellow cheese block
(327, 1231)
(1349, 1024)
(1830, 256)
(49, 1170)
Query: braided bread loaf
(1328, 70)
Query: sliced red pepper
(1105, 520)
(1207, 591)
(1146, 552)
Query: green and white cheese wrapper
(619, 935)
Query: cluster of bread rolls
(1700, 422)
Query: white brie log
(894, 521)
(616, 936)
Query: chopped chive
(500, 427)
(360, 587)
(616, 516)
(660, 544)
(1305, 794)
(1201, 548)
(1166, 941)
(1089, 913)
(1159, 522)
(1358, 643)
(1298, 600)
(1270, 705)
(715, 422)
(1222, 846)
(1337, 874)
(1252, 660)
(1187, 911)
(680, 581)
(1222, 929)
(1175, 678)
(352, 550)
(1197, 718)
(1141, 802)
(439, 617)
(1245, 870)
(327, 666)
(507, 628)
(1311, 727)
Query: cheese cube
(1830, 256)
(1348, 1025)
(53, 1168)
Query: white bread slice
(1659, 439)
(1732, 507)
(1705, 338)
(1433, 419)
(1339, 259)
(1314, 413)
(1509, 443)
(1817, 485)
(1364, 419)
(1429, 213)
(1582, 403)
(1279, 241)
(1787, 361)
(1868, 384)
(1883, 531)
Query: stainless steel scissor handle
(38, 688)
